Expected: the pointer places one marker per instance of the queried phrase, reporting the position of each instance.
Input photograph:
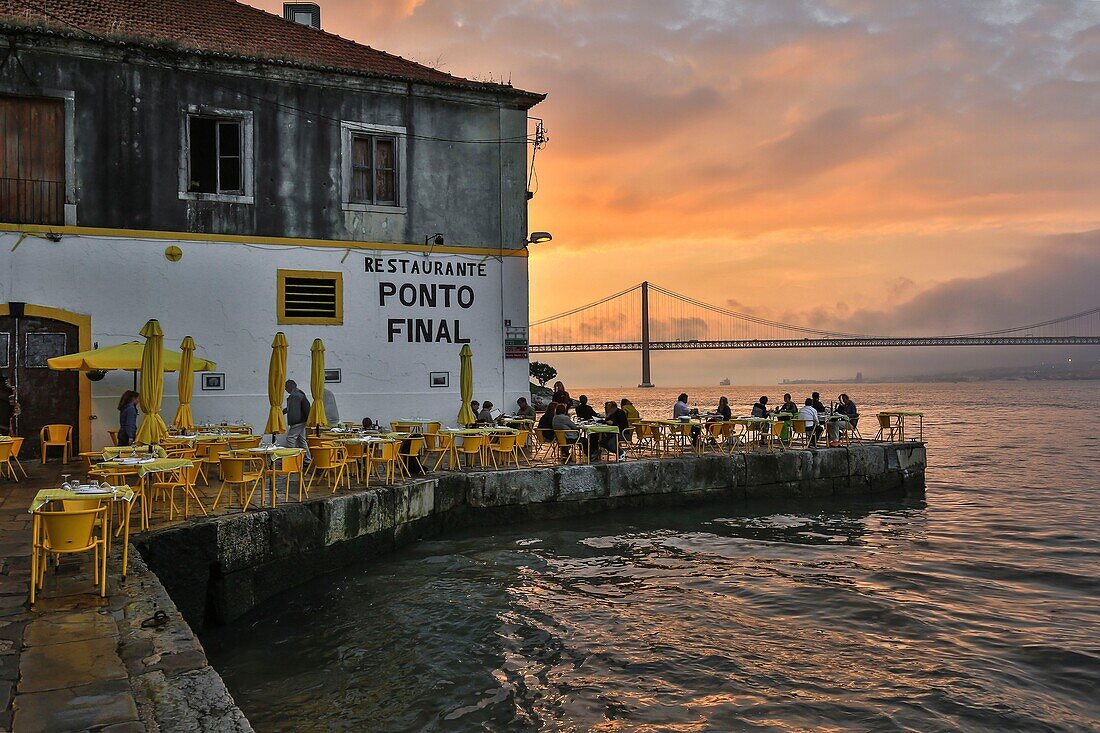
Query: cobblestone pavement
(78, 662)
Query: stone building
(313, 185)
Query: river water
(977, 608)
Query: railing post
(646, 378)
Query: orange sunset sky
(876, 166)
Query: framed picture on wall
(333, 375)
(439, 379)
(213, 381)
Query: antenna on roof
(303, 13)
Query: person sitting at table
(562, 397)
(760, 409)
(813, 421)
(584, 410)
(723, 408)
(563, 422)
(369, 424)
(488, 414)
(847, 408)
(475, 407)
(788, 405)
(816, 402)
(611, 443)
(631, 411)
(546, 422)
(525, 410)
(681, 410)
(127, 417)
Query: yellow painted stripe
(274, 241)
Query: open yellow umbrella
(276, 380)
(152, 429)
(184, 420)
(317, 385)
(126, 356)
(466, 414)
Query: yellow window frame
(280, 302)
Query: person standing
(332, 412)
(561, 396)
(297, 412)
(127, 417)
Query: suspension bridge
(649, 318)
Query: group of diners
(815, 413)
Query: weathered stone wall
(219, 568)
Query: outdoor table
(590, 429)
(119, 493)
(142, 467)
(750, 424)
(270, 454)
(898, 419)
(414, 425)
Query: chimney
(304, 13)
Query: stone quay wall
(218, 569)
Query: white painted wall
(224, 295)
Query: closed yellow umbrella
(152, 429)
(276, 380)
(317, 415)
(184, 420)
(466, 414)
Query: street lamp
(539, 237)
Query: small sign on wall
(333, 375)
(439, 379)
(213, 381)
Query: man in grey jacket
(297, 412)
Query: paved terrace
(81, 663)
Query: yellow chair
(68, 533)
(648, 437)
(886, 428)
(185, 480)
(411, 449)
(472, 446)
(210, 457)
(6, 464)
(331, 461)
(357, 455)
(802, 430)
(383, 455)
(543, 446)
(57, 436)
(316, 441)
(289, 466)
(114, 436)
(242, 474)
(775, 435)
(245, 442)
(523, 440)
(505, 447)
(570, 452)
(16, 446)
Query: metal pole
(646, 378)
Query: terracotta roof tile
(223, 26)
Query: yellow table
(270, 454)
(120, 493)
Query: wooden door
(32, 160)
(44, 396)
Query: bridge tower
(647, 380)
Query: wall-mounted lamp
(435, 240)
(539, 237)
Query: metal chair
(56, 436)
(67, 533)
(241, 474)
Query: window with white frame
(373, 169)
(217, 155)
